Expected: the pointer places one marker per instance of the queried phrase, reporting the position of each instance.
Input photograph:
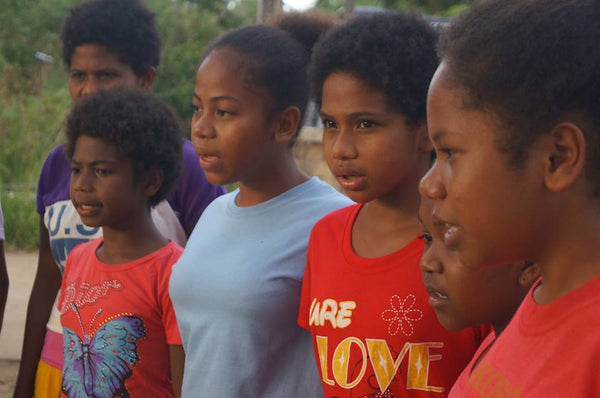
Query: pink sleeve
(71, 258)
(168, 313)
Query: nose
(202, 127)
(430, 263)
(87, 87)
(81, 181)
(431, 185)
(342, 145)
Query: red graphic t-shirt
(374, 334)
(118, 322)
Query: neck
(125, 244)
(384, 227)
(277, 178)
(569, 258)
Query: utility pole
(349, 6)
(266, 8)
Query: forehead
(451, 113)
(348, 92)
(225, 72)
(87, 147)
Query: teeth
(440, 295)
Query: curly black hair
(126, 28)
(533, 64)
(392, 52)
(273, 59)
(142, 126)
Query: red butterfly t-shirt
(118, 322)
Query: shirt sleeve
(304, 310)
(193, 192)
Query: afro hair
(392, 52)
(142, 126)
(534, 64)
(125, 27)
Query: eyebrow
(356, 115)
(219, 98)
(437, 136)
(95, 162)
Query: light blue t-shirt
(236, 291)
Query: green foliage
(35, 97)
(21, 221)
(430, 7)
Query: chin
(451, 324)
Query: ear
(565, 156)
(424, 144)
(153, 180)
(530, 273)
(147, 79)
(287, 124)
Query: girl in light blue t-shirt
(236, 288)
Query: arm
(177, 360)
(45, 288)
(3, 282)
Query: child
(3, 271)
(465, 295)
(236, 288)
(106, 43)
(513, 113)
(119, 328)
(363, 298)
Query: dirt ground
(21, 272)
(8, 375)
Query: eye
(75, 170)
(77, 75)
(328, 123)
(103, 172)
(195, 108)
(365, 124)
(107, 75)
(222, 113)
(447, 152)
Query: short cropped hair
(533, 64)
(126, 28)
(392, 52)
(141, 125)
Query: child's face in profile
(104, 189)
(94, 67)
(368, 146)
(464, 295)
(230, 131)
(488, 211)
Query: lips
(208, 159)
(350, 179)
(436, 297)
(87, 209)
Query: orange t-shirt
(550, 350)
